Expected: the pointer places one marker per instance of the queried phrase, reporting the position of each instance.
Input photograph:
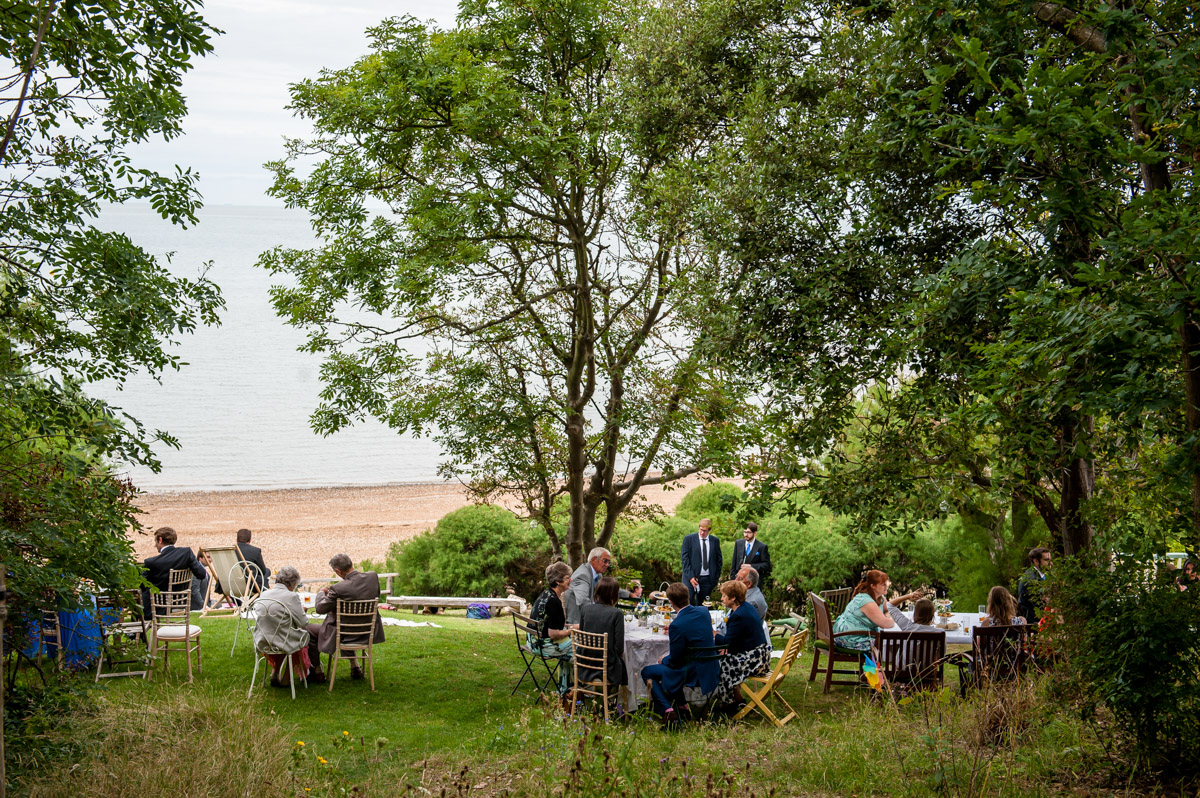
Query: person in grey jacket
(748, 576)
(583, 583)
(280, 623)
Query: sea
(240, 406)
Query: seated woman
(748, 652)
(554, 639)
(1001, 609)
(282, 625)
(922, 620)
(864, 613)
(603, 617)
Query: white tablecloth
(642, 647)
(965, 620)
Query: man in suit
(690, 629)
(1029, 589)
(752, 552)
(253, 556)
(173, 558)
(701, 562)
(583, 583)
(355, 586)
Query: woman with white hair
(281, 624)
(554, 639)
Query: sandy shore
(305, 527)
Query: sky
(237, 96)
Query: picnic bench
(418, 603)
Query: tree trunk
(576, 462)
(1077, 484)
(1189, 333)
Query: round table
(643, 647)
(966, 622)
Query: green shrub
(716, 501)
(473, 551)
(652, 548)
(1128, 640)
(815, 555)
(923, 556)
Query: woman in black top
(602, 617)
(748, 651)
(548, 613)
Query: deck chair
(826, 643)
(261, 607)
(354, 632)
(766, 686)
(590, 651)
(240, 581)
(911, 660)
(527, 630)
(122, 624)
(172, 627)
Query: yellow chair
(769, 685)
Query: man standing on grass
(702, 563)
(752, 552)
(355, 586)
(1029, 589)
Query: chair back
(836, 600)
(914, 657)
(822, 624)
(172, 608)
(590, 651)
(526, 628)
(179, 579)
(239, 579)
(354, 626)
(1000, 652)
(260, 609)
(116, 608)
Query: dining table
(966, 622)
(645, 646)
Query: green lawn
(442, 718)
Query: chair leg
(291, 675)
(187, 652)
(257, 659)
(816, 663)
(199, 657)
(334, 659)
(828, 671)
(371, 667)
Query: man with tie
(701, 562)
(752, 552)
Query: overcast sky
(236, 96)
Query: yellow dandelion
(345, 734)
(299, 742)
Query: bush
(1128, 638)
(473, 551)
(651, 548)
(716, 501)
(814, 555)
(926, 555)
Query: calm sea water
(240, 407)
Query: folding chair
(172, 624)
(261, 607)
(353, 631)
(700, 704)
(49, 634)
(527, 631)
(240, 581)
(756, 699)
(121, 621)
(590, 651)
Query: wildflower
(345, 734)
(300, 743)
(323, 760)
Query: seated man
(252, 556)
(355, 586)
(754, 597)
(173, 558)
(691, 629)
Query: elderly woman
(281, 624)
(554, 639)
(748, 653)
(1001, 609)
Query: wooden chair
(787, 627)
(837, 600)
(527, 631)
(590, 651)
(51, 634)
(180, 579)
(998, 653)
(122, 624)
(172, 626)
(826, 643)
(354, 632)
(767, 686)
(263, 606)
(914, 658)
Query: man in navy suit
(752, 552)
(171, 557)
(690, 629)
(701, 562)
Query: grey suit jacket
(357, 585)
(579, 593)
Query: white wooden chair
(590, 651)
(173, 627)
(122, 624)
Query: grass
(442, 722)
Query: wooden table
(417, 603)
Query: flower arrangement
(943, 606)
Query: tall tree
(83, 84)
(510, 263)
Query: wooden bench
(385, 589)
(418, 603)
